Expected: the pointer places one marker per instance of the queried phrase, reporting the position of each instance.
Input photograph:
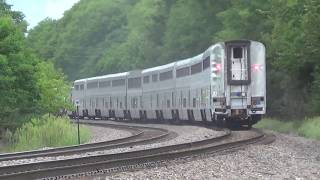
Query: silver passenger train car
(226, 84)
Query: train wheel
(178, 117)
(161, 116)
(220, 121)
(214, 119)
(174, 117)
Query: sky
(37, 10)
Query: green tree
(26, 82)
(55, 91)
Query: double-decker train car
(226, 84)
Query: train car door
(238, 73)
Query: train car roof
(196, 59)
(159, 68)
(102, 77)
(109, 76)
(135, 73)
(80, 80)
(183, 62)
(189, 61)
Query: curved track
(103, 163)
(140, 135)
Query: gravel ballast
(186, 133)
(100, 134)
(289, 157)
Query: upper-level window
(134, 82)
(206, 63)
(154, 77)
(183, 72)
(76, 87)
(118, 82)
(237, 52)
(146, 79)
(82, 87)
(196, 68)
(92, 85)
(104, 84)
(166, 75)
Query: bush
(47, 132)
(276, 125)
(309, 128)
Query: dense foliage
(28, 85)
(106, 36)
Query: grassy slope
(309, 128)
(46, 132)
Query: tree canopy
(28, 85)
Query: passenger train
(226, 84)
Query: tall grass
(309, 127)
(47, 132)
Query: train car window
(151, 100)
(196, 68)
(189, 98)
(237, 52)
(154, 77)
(206, 63)
(172, 99)
(140, 101)
(97, 102)
(180, 102)
(158, 100)
(166, 75)
(134, 83)
(76, 87)
(146, 79)
(134, 103)
(118, 82)
(183, 72)
(104, 84)
(82, 87)
(117, 103)
(92, 85)
(184, 102)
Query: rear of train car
(238, 81)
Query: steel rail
(54, 168)
(138, 137)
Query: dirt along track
(129, 159)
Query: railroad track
(107, 162)
(140, 135)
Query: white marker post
(77, 103)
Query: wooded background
(108, 36)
